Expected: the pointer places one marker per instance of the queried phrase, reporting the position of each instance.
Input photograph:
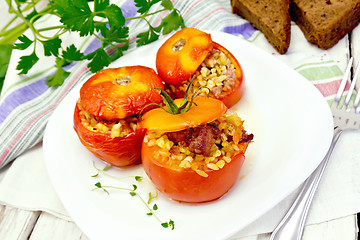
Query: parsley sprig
(100, 19)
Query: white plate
(292, 125)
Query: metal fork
(346, 117)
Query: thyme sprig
(132, 191)
(107, 167)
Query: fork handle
(292, 225)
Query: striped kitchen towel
(26, 102)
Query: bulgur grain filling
(208, 146)
(216, 74)
(116, 128)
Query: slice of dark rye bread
(325, 22)
(269, 16)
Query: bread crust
(325, 22)
(269, 16)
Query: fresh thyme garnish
(107, 167)
(132, 191)
(151, 197)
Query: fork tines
(351, 90)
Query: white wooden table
(20, 224)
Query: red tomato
(198, 182)
(176, 67)
(229, 96)
(118, 151)
(185, 184)
(116, 93)
(111, 96)
(232, 96)
(179, 57)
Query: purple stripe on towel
(21, 96)
(95, 44)
(128, 9)
(246, 30)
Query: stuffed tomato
(194, 156)
(191, 52)
(105, 116)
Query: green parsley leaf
(167, 4)
(25, 42)
(60, 6)
(71, 53)
(26, 62)
(120, 50)
(100, 60)
(134, 186)
(132, 193)
(116, 34)
(143, 6)
(146, 37)
(78, 17)
(57, 79)
(100, 5)
(115, 16)
(155, 207)
(172, 22)
(80, 4)
(51, 47)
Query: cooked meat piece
(216, 91)
(246, 137)
(203, 138)
(199, 139)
